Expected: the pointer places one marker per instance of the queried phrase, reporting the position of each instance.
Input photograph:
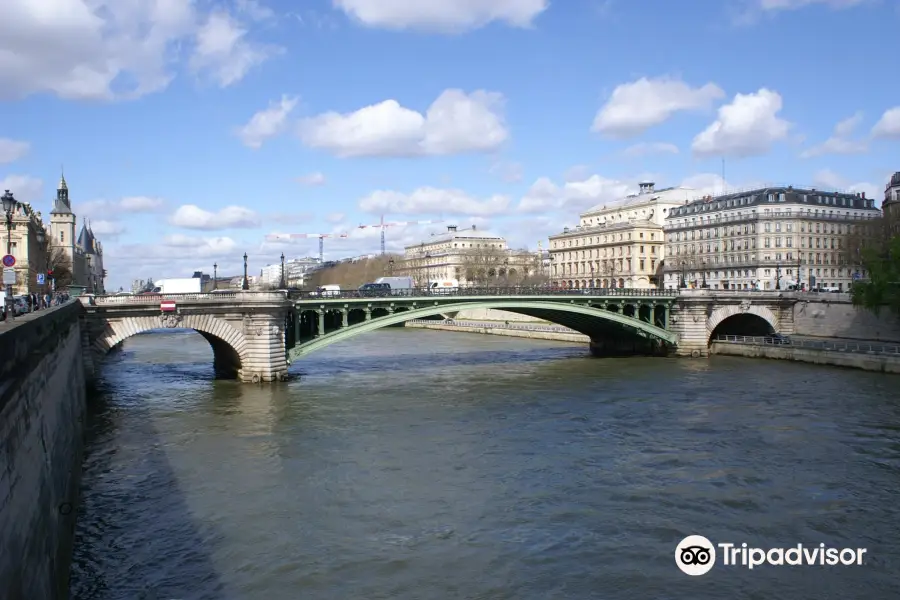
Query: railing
(497, 325)
(224, 296)
(854, 347)
(484, 291)
(754, 216)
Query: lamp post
(683, 280)
(391, 267)
(246, 283)
(704, 285)
(9, 207)
(778, 277)
(215, 276)
(283, 285)
(506, 272)
(592, 275)
(41, 239)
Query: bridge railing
(224, 296)
(830, 345)
(486, 291)
(497, 325)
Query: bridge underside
(615, 328)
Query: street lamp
(592, 275)
(215, 276)
(9, 207)
(282, 272)
(683, 280)
(246, 284)
(704, 285)
(391, 267)
(41, 238)
(506, 271)
(778, 277)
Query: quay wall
(866, 361)
(834, 316)
(42, 414)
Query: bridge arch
(589, 320)
(228, 344)
(741, 319)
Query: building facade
(891, 204)
(768, 238)
(616, 244)
(23, 243)
(470, 256)
(84, 253)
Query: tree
(59, 267)
(481, 266)
(352, 273)
(872, 246)
(609, 269)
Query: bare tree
(482, 266)
(59, 267)
(610, 270)
(351, 274)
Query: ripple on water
(420, 464)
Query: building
(891, 204)
(84, 253)
(32, 256)
(616, 244)
(470, 256)
(768, 238)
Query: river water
(417, 464)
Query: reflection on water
(421, 464)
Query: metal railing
(486, 291)
(829, 345)
(225, 296)
(498, 325)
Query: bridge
(255, 335)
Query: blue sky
(191, 130)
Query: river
(416, 464)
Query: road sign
(9, 277)
(856, 276)
(40, 279)
(9, 260)
(167, 306)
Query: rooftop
(647, 193)
(453, 233)
(781, 194)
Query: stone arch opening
(227, 343)
(748, 324)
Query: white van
(833, 289)
(443, 286)
(325, 291)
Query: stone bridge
(255, 335)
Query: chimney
(647, 187)
(863, 195)
(474, 228)
(451, 228)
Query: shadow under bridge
(614, 328)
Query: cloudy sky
(190, 130)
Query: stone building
(470, 256)
(23, 243)
(891, 204)
(616, 244)
(768, 238)
(85, 252)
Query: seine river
(429, 465)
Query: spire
(61, 206)
(62, 180)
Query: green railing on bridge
(479, 292)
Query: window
(62, 236)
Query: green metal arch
(418, 313)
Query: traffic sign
(856, 276)
(167, 306)
(9, 260)
(9, 277)
(40, 279)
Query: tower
(62, 221)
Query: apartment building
(616, 244)
(768, 238)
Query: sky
(191, 130)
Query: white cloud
(831, 180)
(510, 172)
(746, 127)
(650, 148)
(441, 15)
(268, 122)
(454, 123)
(129, 204)
(432, 200)
(223, 51)
(105, 229)
(635, 107)
(312, 179)
(104, 49)
(191, 216)
(776, 5)
(888, 126)
(12, 150)
(336, 217)
(254, 10)
(840, 142)
(23, 187)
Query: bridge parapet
(229, 297)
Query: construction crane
(286, 237)
(382, 225)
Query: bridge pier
(632, 346)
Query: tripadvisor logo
(696, 555)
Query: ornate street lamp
(9, 207)
(215, 276)
(391, 267)
(683, 280)
(777, 277)
(41, 239)
(704, 285)
(246, 283)
(282, 286)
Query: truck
(443, 286)
(399, 285)
(332, 290)
(185, 285)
